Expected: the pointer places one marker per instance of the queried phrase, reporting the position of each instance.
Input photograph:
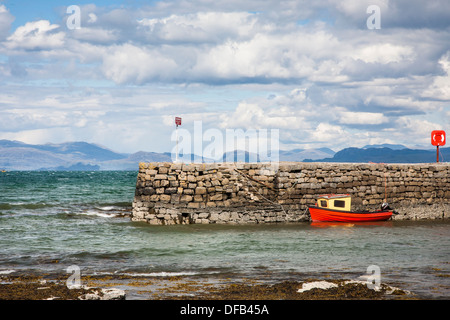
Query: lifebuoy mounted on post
(438, 139)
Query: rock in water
(105, 294)
(317, 285)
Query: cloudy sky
(314, 70)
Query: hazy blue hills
(301, 154)
(81, 150)
(386, 155)
(16, 155)
(386, 145)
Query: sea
(51, 220)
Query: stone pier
(237, 193)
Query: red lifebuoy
(438, 138)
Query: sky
(326, 73)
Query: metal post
(437, 154)
(176, 130)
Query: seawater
(52, 220)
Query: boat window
(339, 203)
(323, 203)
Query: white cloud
(384, 53)
(417, 131)
(94, 35)
(131, 64)
(6, 19)
(362, 118)
(268, 56)
(326, 132)
(36, 35)
(200, 27)
(440, 88)
(251, 115)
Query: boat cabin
(341, 202)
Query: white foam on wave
(162, 274)
(155, 274)
(107, 208)
(97, 213)
(7, 271)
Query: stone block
(155, 221)
(214, 216)
(186, 198)
(164, 183)
(198, 198)
(188, 168)
(176, 166)
(175, 198)
(170, 190)
(163, 170)
(216, 197)
(225, 216)
(203, 215)
(183, 184)
(143, 165)
(154, 197)
(215, 182)
(164, 198)
(200, 190)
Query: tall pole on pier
(177, 123)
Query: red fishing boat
(337, 208)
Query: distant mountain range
(16, 155)
(386, 145)
(386, 154)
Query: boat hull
(328, 215)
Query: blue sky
(312, 70)
(28, 10)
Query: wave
(161, 274)
(9, 271)
(119, 204)
(113, 207)
(107, 208)
(104, 210)
(24, 205)
(99, 213)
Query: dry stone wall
(175, 193)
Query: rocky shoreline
(184, 288)
(40, 288)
